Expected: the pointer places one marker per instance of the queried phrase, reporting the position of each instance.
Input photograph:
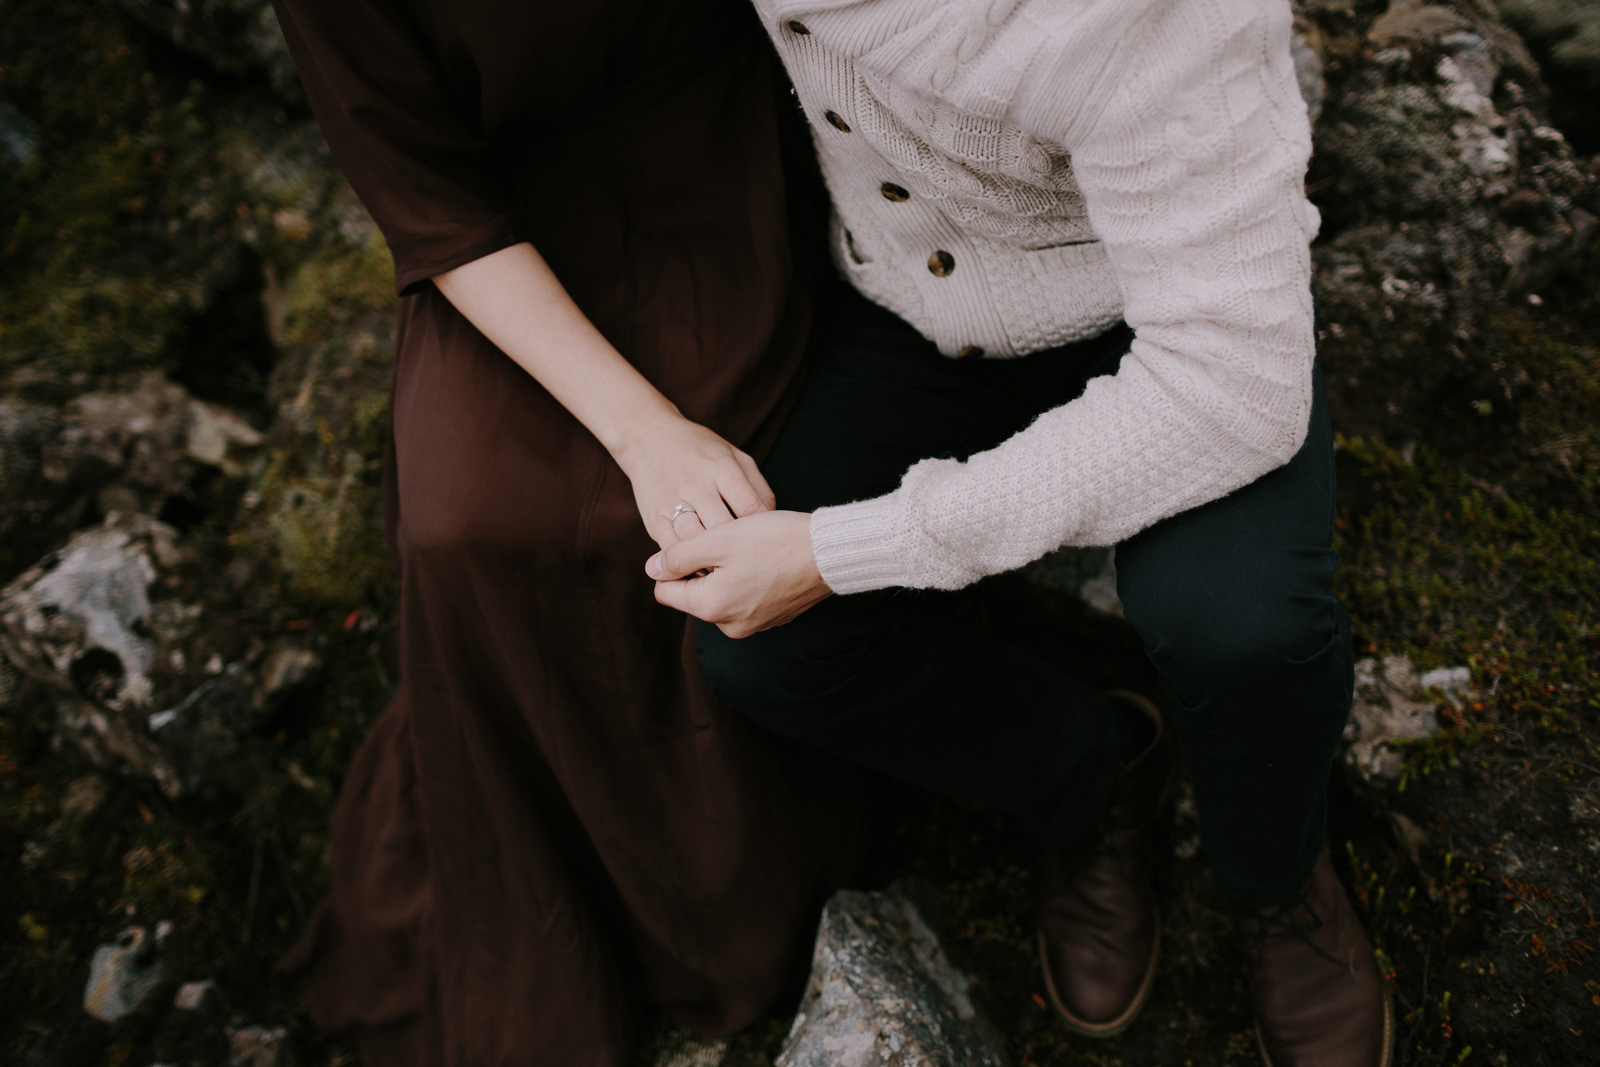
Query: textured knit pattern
(1076, 162)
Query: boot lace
(1294, 918)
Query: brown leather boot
(1099, 928)
(1320, 1001)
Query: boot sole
(1111, 1027)
(1388, 1033)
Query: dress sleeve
(411, 149)
(1189, 141)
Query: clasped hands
(726, 555)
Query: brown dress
(553, 824)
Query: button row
(941, 263)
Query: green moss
(322, 523)
(330, 289)
(149, 194)
(1450, 569)
(108, 131)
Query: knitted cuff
(851, 544)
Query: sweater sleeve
(1189, 141)
(409, 146)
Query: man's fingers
(683, 558)
(675, 595)
(697, 597)
(752, 473)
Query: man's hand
(745, 576)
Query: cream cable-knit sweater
(1011, 175)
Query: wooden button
(941, 263)
(836, 122)
(894, 192)
(969, 352)
(796, 26)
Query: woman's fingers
(701, 510)
(687, 494)
(710, 506)
(766, 500)
(740, 495)
(684, 525)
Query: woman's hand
(672, 461)
(519, 304)
(744, 576)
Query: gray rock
(1442, 190)
(1412, 837)
(1390, 705)
(882, 992)
(288, 666)
(216, 437)
(192, 996)
(123, 974)
(201, 731)
(132, 434)
(259, 1046)
(75, 619)
(19, 137)
(83, 797)
(679, 1048)
(129, 670)
(140, 439)
(1089, 574)
(1454, 682)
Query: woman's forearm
(685, 477)
(514, 298)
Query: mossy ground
(1467, 529)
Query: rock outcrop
(882, 992)
(148, 668)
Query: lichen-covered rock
(1088, 574)
(203, 729)
(132, 436)
(1566, 36)
(882, 992)
(136, 444)
(217, 437)
(19, 136)
(1390, 705)
(192, 996)
(112, 625)
(83, 797)
(682, 1049)
(260, 1046)
(76, 619)
(123, 974)
(1443, 189)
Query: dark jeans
(1232, 600)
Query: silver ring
(681, 509)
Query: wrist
(638, 428)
